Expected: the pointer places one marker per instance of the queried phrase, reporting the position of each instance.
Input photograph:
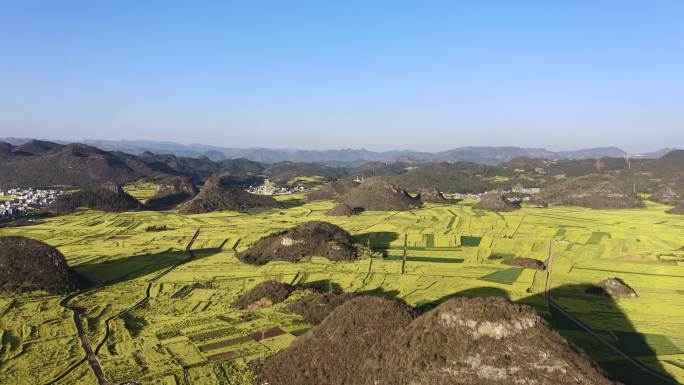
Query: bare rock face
(613, 288)
(308, 239)
(29, 265)
(465, 341)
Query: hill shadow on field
(379, 240)
(324, 286)
(618, 332)
(291, 203)
(136, 266)
(380, 292)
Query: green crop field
(506, 277)
(142, 190)
(162, 315)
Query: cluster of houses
(268, 188)
(517, 189)
(17, 202)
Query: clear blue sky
(383, 75)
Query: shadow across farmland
(324, 286)
(427, 259)
(136, 266)
(379, 240)
(380, 292)
(291, 202)
(616, 330)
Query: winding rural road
(553, 306)
(90, 354)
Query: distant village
(268, 188)
(18, 202)
(517, 189)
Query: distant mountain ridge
(476, 154)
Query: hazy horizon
(139, 141)
(424, 76)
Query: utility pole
(403, 260)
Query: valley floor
(162, 314)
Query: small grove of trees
(155, 228)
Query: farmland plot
(164, 315)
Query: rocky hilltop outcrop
(308, 239)
(332, 190)
(108, 197)
(379, 195)
(477, 341)
(171, 192)
(432, 196)
(220, 194)
(341, 210)
(264, 294)
(612, 288)
(596, 191)
(497, 201)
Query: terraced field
(161, 314)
